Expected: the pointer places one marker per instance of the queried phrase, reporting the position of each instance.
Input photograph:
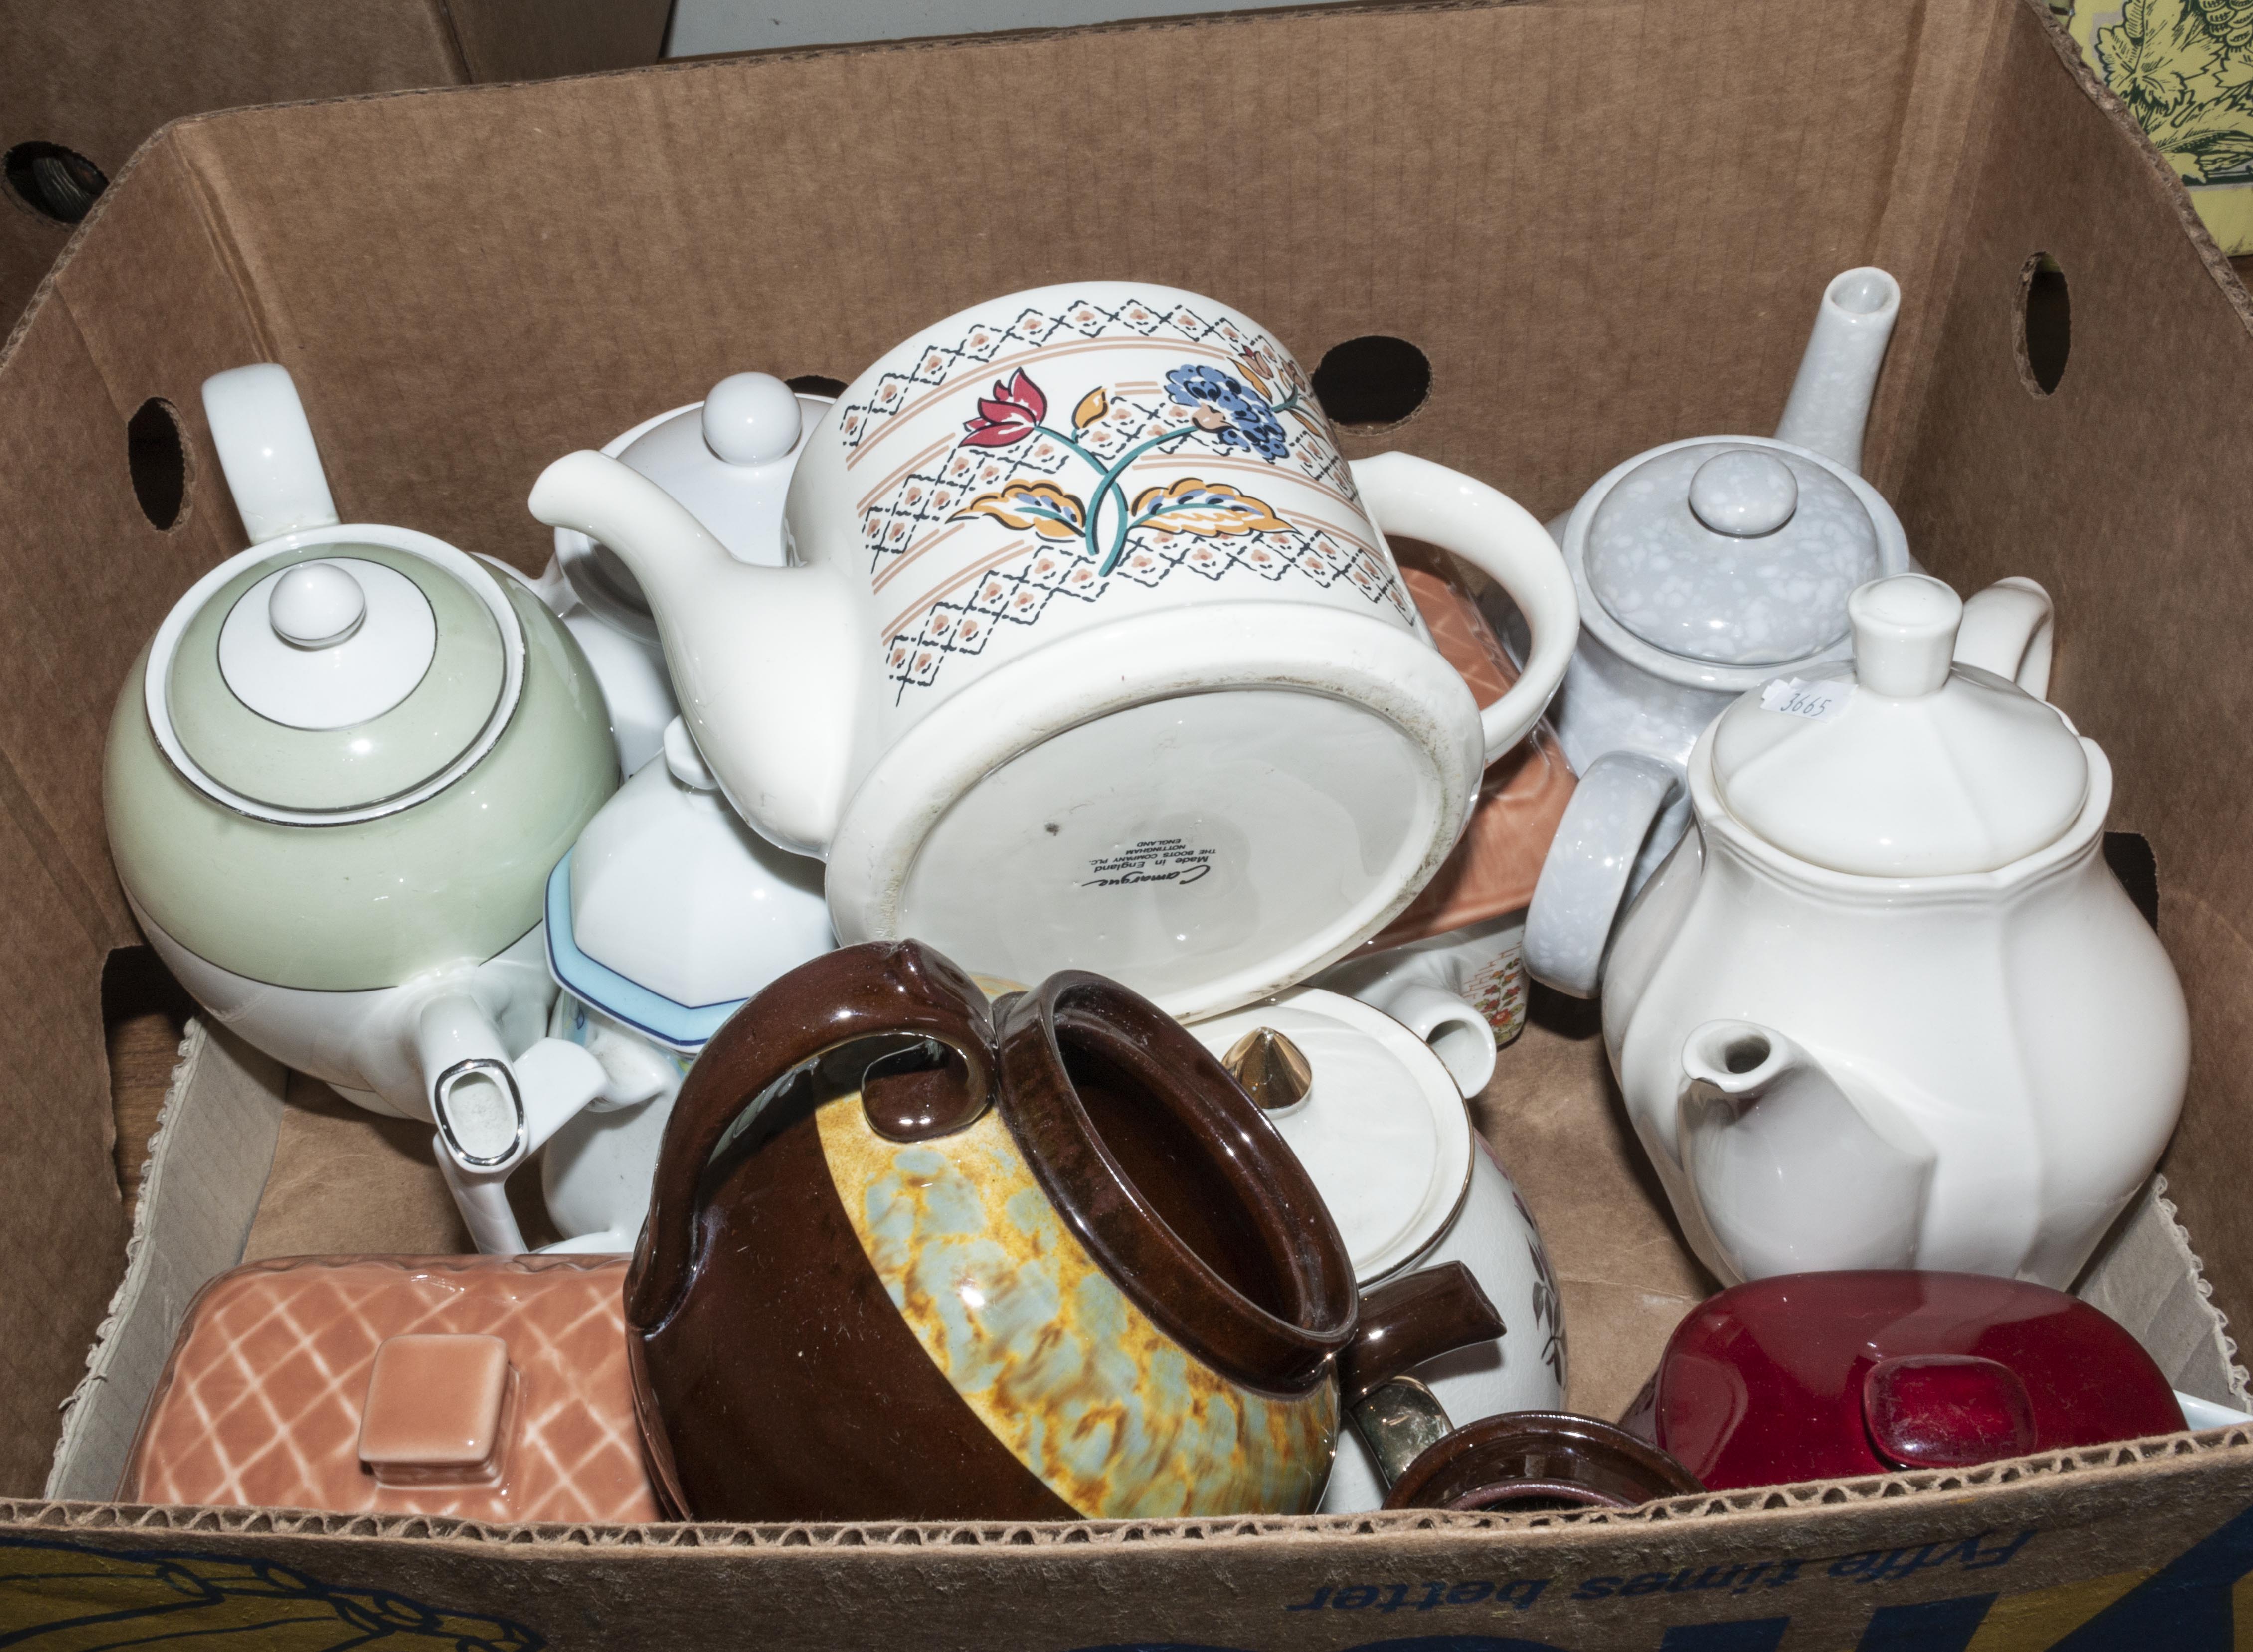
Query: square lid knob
(438, 1411)
(1946, 1410)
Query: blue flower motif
(1230, 410)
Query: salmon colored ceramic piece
(1498, 861)
(289, 1373)
(438, 1411)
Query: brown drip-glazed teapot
(911, 1258)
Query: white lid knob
(316, 605)
(1745, 493)
(751, 418)
(1904, 634)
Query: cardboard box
(1604, 222)
(96, 77)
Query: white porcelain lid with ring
(1382, 1131)
(1909, 766)
(1731, 552)
(334, 675)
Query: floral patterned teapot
(1093, 653)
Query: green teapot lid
(335, 681)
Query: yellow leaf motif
(1092, 406)
(1210, 510)
(1042, 506)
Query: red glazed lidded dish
(1821, 1375)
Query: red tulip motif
(1011, 414)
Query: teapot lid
(669, 911)
(337, 680)
(1381, 1128)
(1734, 553)
(1913, 766)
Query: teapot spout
(1830, 400)
(1789, 1174)
(761, 658)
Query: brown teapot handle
(853, 994)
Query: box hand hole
(2045, 324)
(817, 384)
(158, 460)
(1373, 383)
(57, 183)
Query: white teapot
(728, 458)
(1372, 1104)
(1092, 653)
(1885, 1005)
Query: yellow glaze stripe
(1111, 1413)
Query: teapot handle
(1584, 877)
(266, 451)
(1418, 499)
(838, 999)
(2010, 629)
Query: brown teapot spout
(1408, 1321)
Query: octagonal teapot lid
(323, 677)
(1369, 1108)
(1735, 552)
(1915, 766)
(669, 911)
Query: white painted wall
(752, 25)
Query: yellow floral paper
(2185, 69)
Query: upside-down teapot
(1885, 1004)
(1093, 653)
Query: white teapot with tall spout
(1093, 653)
(1885, 1005)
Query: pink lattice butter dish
(488, 1388)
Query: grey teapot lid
(1732, 553)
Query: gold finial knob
(1271, 1069)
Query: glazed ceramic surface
(1095, 656)
(1703, 567)
(1709, 568)
(1529, 1461)
(666, 914)
(1059, 1268)
(477, 1388)
(1967, 1055)
(1817, 1376)
(594, 1171)
(728, 458)
(333, 786)
(1384, 1133)
(1461, 935)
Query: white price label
(1820, 699)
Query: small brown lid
(435, 1407)
(1525, 1461)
